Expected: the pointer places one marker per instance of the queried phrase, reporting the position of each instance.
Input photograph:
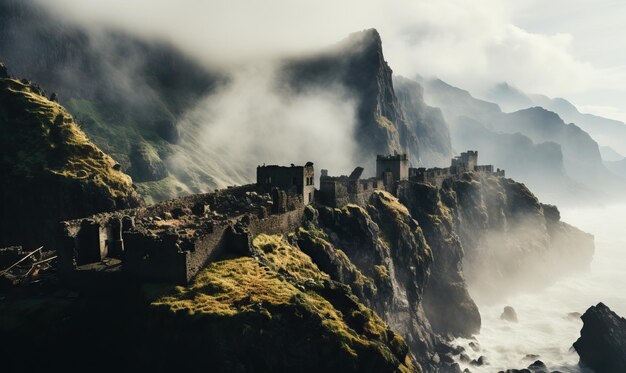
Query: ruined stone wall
(277, 224)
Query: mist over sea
(546, 327)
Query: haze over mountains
(178, 128)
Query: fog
(470, 44)
(253, 119)
(544, 327)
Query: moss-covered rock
(275, 312)
(50, 170)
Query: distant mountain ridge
(605, 131)
(559, 160)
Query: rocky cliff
(389, 119)
(50, 170)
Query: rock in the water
(474, 346)
(3, 71)
(538, 366)
(602, 342)
(479, 362)
(509, 314)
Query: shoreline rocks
(602, 342)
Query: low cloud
(254, 120)
(473, 44)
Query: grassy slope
(283, 293)
(40, 136)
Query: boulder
(602, 342)
(509, 314)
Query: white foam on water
(545, 328)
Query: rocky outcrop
(293, 317)
(602, 342)
(383, 249)
(50, 170)
(510, 242)
(447, 302)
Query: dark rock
(531, 357)
(479, 362)
(446, 358)
(180, 211)
(3, 71)
(465, 358)
(538, 366)
(551, 212)
(448, 305)
(602, 342)
(200, 209)
(474, 346)
(449, 368)
(509, 314)
(54, 97)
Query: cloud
(254, 120)
(472, 44)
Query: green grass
(284, 281)
(40, 136)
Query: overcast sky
(554, 47)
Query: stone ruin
(338, 191)
(466, 162)
(173, 240)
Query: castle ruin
(466, 162)
(172, 241)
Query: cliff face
(50, 170)
(511, 240)
(430, 128)
(390, 257)
(388, 120)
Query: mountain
(377, 286)
(534, 145)
(390, 119)
(127, 94)
(133, 98)
(607, 132)
(617, 167)
(509, 98)
(609, 154)
(431, 130)
(50, 170)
